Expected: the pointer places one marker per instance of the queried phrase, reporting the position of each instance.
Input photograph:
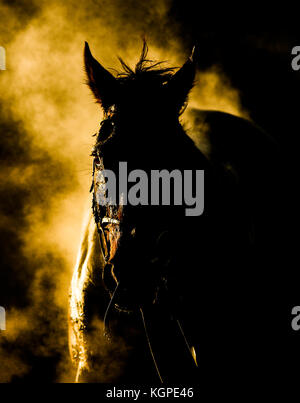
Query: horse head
(141, 127)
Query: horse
(157, 296)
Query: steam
(47, 118)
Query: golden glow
(193, 352)
(43, 88)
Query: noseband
(104, 216)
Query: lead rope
(191, 349)
(150, 347)
(106, 333)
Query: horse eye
(106, 130)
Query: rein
(102, 218)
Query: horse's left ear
(102, 83)
(182, 81)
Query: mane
(147, 74)
(146, 70)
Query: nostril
(127, 300)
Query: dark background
(259, 65)
(254, 50)
(253, 46)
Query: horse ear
(102, 83)
(182, 81)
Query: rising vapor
(47, 119)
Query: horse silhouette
(156, 295)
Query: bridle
(101, 219)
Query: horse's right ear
(102, 83)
